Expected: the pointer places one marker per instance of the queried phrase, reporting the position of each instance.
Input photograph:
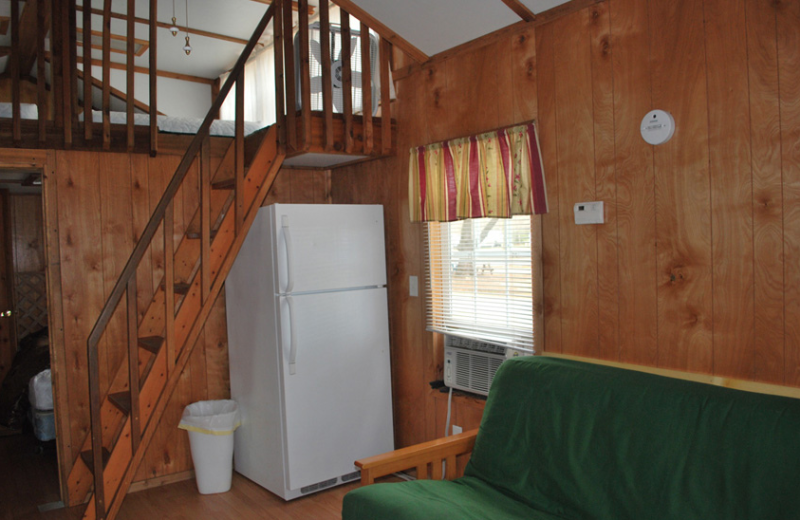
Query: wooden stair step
(151, 343)
(121, 400)
(88, 458)
(182, 288)
(196, 235)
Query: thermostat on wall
(589, 212)
(657, 127)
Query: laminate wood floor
(29, 479)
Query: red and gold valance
(495, 174)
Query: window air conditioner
(470, 365)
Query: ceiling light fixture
(187, 48)
(174, 29)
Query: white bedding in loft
(180, 125)
(175, 125)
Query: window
(480, 280)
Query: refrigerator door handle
(287, 237)
(293, 336)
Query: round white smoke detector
(657, 127)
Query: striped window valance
(495, 174)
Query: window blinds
(480, 282)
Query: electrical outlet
(457, 429)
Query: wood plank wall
(104, 202)
(693, 268)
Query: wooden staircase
(124, 416)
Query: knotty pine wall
(694, 268)
(104, 201)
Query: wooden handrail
(128, 276)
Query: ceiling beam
(159, 73)
(521, 10)
(198, 32)
(375, 24)
(295, 6)
(118, 94)
(27, 35)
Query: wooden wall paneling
(303, 186)
(635, 183)
(731, 188)
(281, 190)
(437, 111)
(140, 209)
(683, 209)
(117, 243)
(27, 233)
(788, 24)
(551, 239)
(217, 368)
(523, 76)
(574, 132)
(765, 143)
(605, 180)
(81, 274)
(55, 315)
(324, 194)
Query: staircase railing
(126, 284)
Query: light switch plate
(589, 213)
(413, 286)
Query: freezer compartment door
(337, 403)
(328, 247)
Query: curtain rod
(504, 127)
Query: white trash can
(211, 425)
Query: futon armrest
(420, 456)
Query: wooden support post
(133, 362)
(41, 74)
(305, 74)
(327, 84)
(73, 66)
(153, 78)
(129, 90)
(386, 102)
(239, 154)
(169, 285)
(66, 72)
(56, 66)
(87, 76)
(205, 216)
(366, 89)
(107, 74)
(96, 427)
(280, 89)
(347, 83)
(15, 75)
(291, 94)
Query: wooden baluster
(280, 107)
(169, 284)
(327, 84)
(239, 158)
(153, 78)
(15, 76)
(66, 72)
(106, 74)
(96, 429)
(56, 66)
(366, 89)
(205, 216)
(291, 94)
(386, 102)
(129, 91)
(41, 74)
(73, 67)
(133, 362)
(88, 124)
(305, 74)
(347, 82)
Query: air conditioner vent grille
(469, 370)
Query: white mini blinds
(480, 283)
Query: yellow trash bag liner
(219, 417)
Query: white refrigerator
(308, 341)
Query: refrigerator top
(326, 247)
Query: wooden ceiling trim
(160, 73)
(542, 18)
(375, 24)
(521, 10)
(198, 32)
(295, 5)
(143, 44)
